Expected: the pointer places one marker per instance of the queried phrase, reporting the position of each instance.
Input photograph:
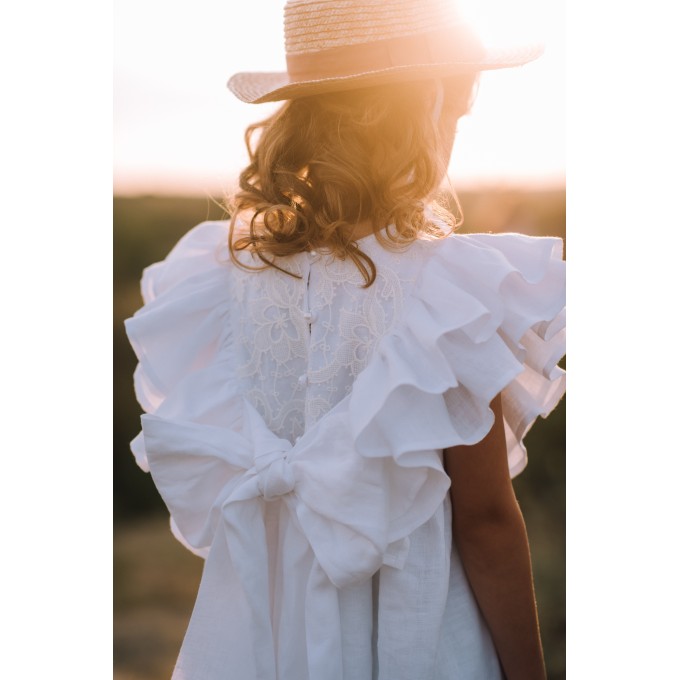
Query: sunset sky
(178, 129)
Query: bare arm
(490, 534)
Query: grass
(155, 584)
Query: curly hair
(323, 164)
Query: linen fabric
(294, 427)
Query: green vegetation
(156, 579)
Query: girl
(336, 387)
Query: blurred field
(156, 579)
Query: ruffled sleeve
(486, 317)
(182, 328)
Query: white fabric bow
(342, 515)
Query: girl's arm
(489, 531)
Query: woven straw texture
(311, 26)
(323, 27)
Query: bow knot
(275, 479)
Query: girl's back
(312, 370)
(403, 367)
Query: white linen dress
(294, 427)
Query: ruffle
(182, 328)
(486, 317)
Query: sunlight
(500, 22)
(177, 127)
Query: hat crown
(315, 25)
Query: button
(313, 253)
(308, 316)
(302, 380)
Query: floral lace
(301, 342)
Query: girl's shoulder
(526, 253)
(501, 270)
(202, 251)
(485, 317)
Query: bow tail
(324, 635)
(305, 604)
(230, 632)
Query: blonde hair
(323, 164)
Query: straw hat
(336, 45)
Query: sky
(177, 129)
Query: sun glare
(500, 22)
(177, 125)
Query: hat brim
(258, 88)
